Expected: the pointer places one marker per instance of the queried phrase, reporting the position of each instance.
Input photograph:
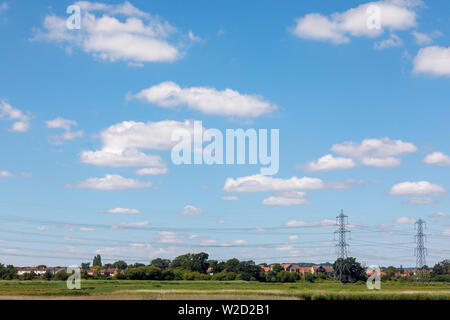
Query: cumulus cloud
(446, 232)
(122, 211)
(405, 220)
(325, 223)
(115, 32)
(329, 162)
(438, 159)
(433, 61)
(290, 198)
(375, 152)
(417, 188)
(110, 182)
(21, 121)
(261, 183)
(206, 100)
(122, 143)
(293, 237)
(191, 210)
(339, 27)
(66, 125)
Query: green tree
(61, 275)
(85, 265)
(352, 269)
(121, 265)
(48, 275)
(97, 262)
(192, 262)
(442, 268)
(160, 263)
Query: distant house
(38, 271)
(322, 269)
(103, 272)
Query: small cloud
(240, 242)
(193, 37)
(86, 229)
(122, 211)
(5, 174)
(421, 201)
(41, 228)
(66, 125)
(392, 41)
(437, 159)
(111, 182)
(293, 238)
(124, 225)
(191, 210)
(221, 221)
(21, 120)
(230, 198)
(405, 220)
(440, 215)
(151, 171)
(417, 188)
(26, 174)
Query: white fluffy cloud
(438, 159)
(325, 223)
(433, 60)
(122, 143)
(405, 220)
(329, 162)
(339, 27)
(261, 183)
(122, 211)
(21, 121)
(290, 198)
(66, 125)
(111, 182)
(115, 32)
(375, 152)
(207, 100)
(417, 188)
(191, 210)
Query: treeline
(198, 266)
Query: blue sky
(362, 112)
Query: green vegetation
(301, 289)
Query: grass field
(163, 290)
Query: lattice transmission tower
(420, 251)
(342, 273)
